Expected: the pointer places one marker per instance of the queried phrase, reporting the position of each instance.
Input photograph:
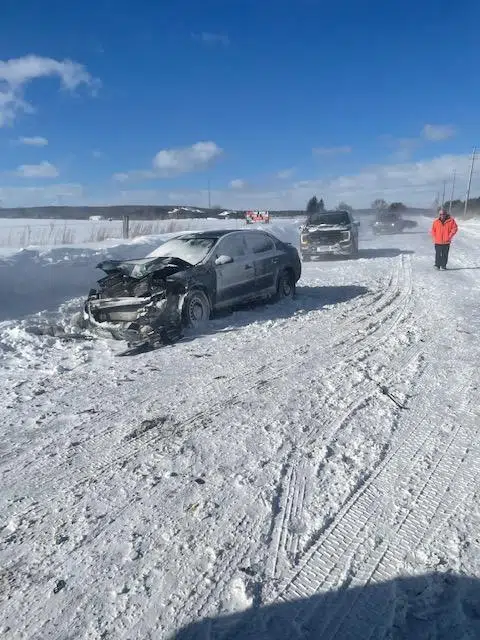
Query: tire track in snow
(325, 432)
(401, 294)
(328, 565)
(441, 494)
(286, 543)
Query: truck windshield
(340, 218)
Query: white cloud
(16, 73)
(237, 184)
(403, 148)
(331, 151)
(168, 163)
(124, 176)
(121, 177)
(42, 170)
(213, 38)
(34, 141)
(186, 159)
(438, 132)
(415, 183)
(36, 196)
(285, 174)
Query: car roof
(217, 233)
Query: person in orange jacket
(443, 229)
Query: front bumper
(339, 249)
(136, 320)
(386, 230)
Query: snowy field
(307, 469)
(22, 233)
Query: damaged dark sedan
(148, 301)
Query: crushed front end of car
(138, 300)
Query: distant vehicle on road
(388, 222)
(257, 216)
(148, 300)
(329, 233)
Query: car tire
(196, 309)
(354, 253)
(285, 285)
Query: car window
(233, 246)
(259, 242)
(335, 218)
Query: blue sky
(145, 102)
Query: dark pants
(441, 254)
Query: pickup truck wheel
(196, 309)
(285, 285)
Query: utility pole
(443, 193)
(209, 195)
(469, 182)
(453, 190)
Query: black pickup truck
(329, 233)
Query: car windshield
(388, 217)
(190, 249)
(333, 219)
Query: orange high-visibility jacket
(443, 232)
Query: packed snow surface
(306, 469)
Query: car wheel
(354, 253)
(196, 309)
(285, 285)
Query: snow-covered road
(320, 445)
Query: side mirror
(223, 260)
(356, 223)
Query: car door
(266, 260)
(235, 280)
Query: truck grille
(326, 237)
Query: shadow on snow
(370, 254)
(363, 254)
(461, 268)
(443, 606)
(307, 299)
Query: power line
(469, 181)
(453, 191)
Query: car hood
(141, 267)
(327, 227)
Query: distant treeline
(140, 212)
(458, 207)
(146, 212)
